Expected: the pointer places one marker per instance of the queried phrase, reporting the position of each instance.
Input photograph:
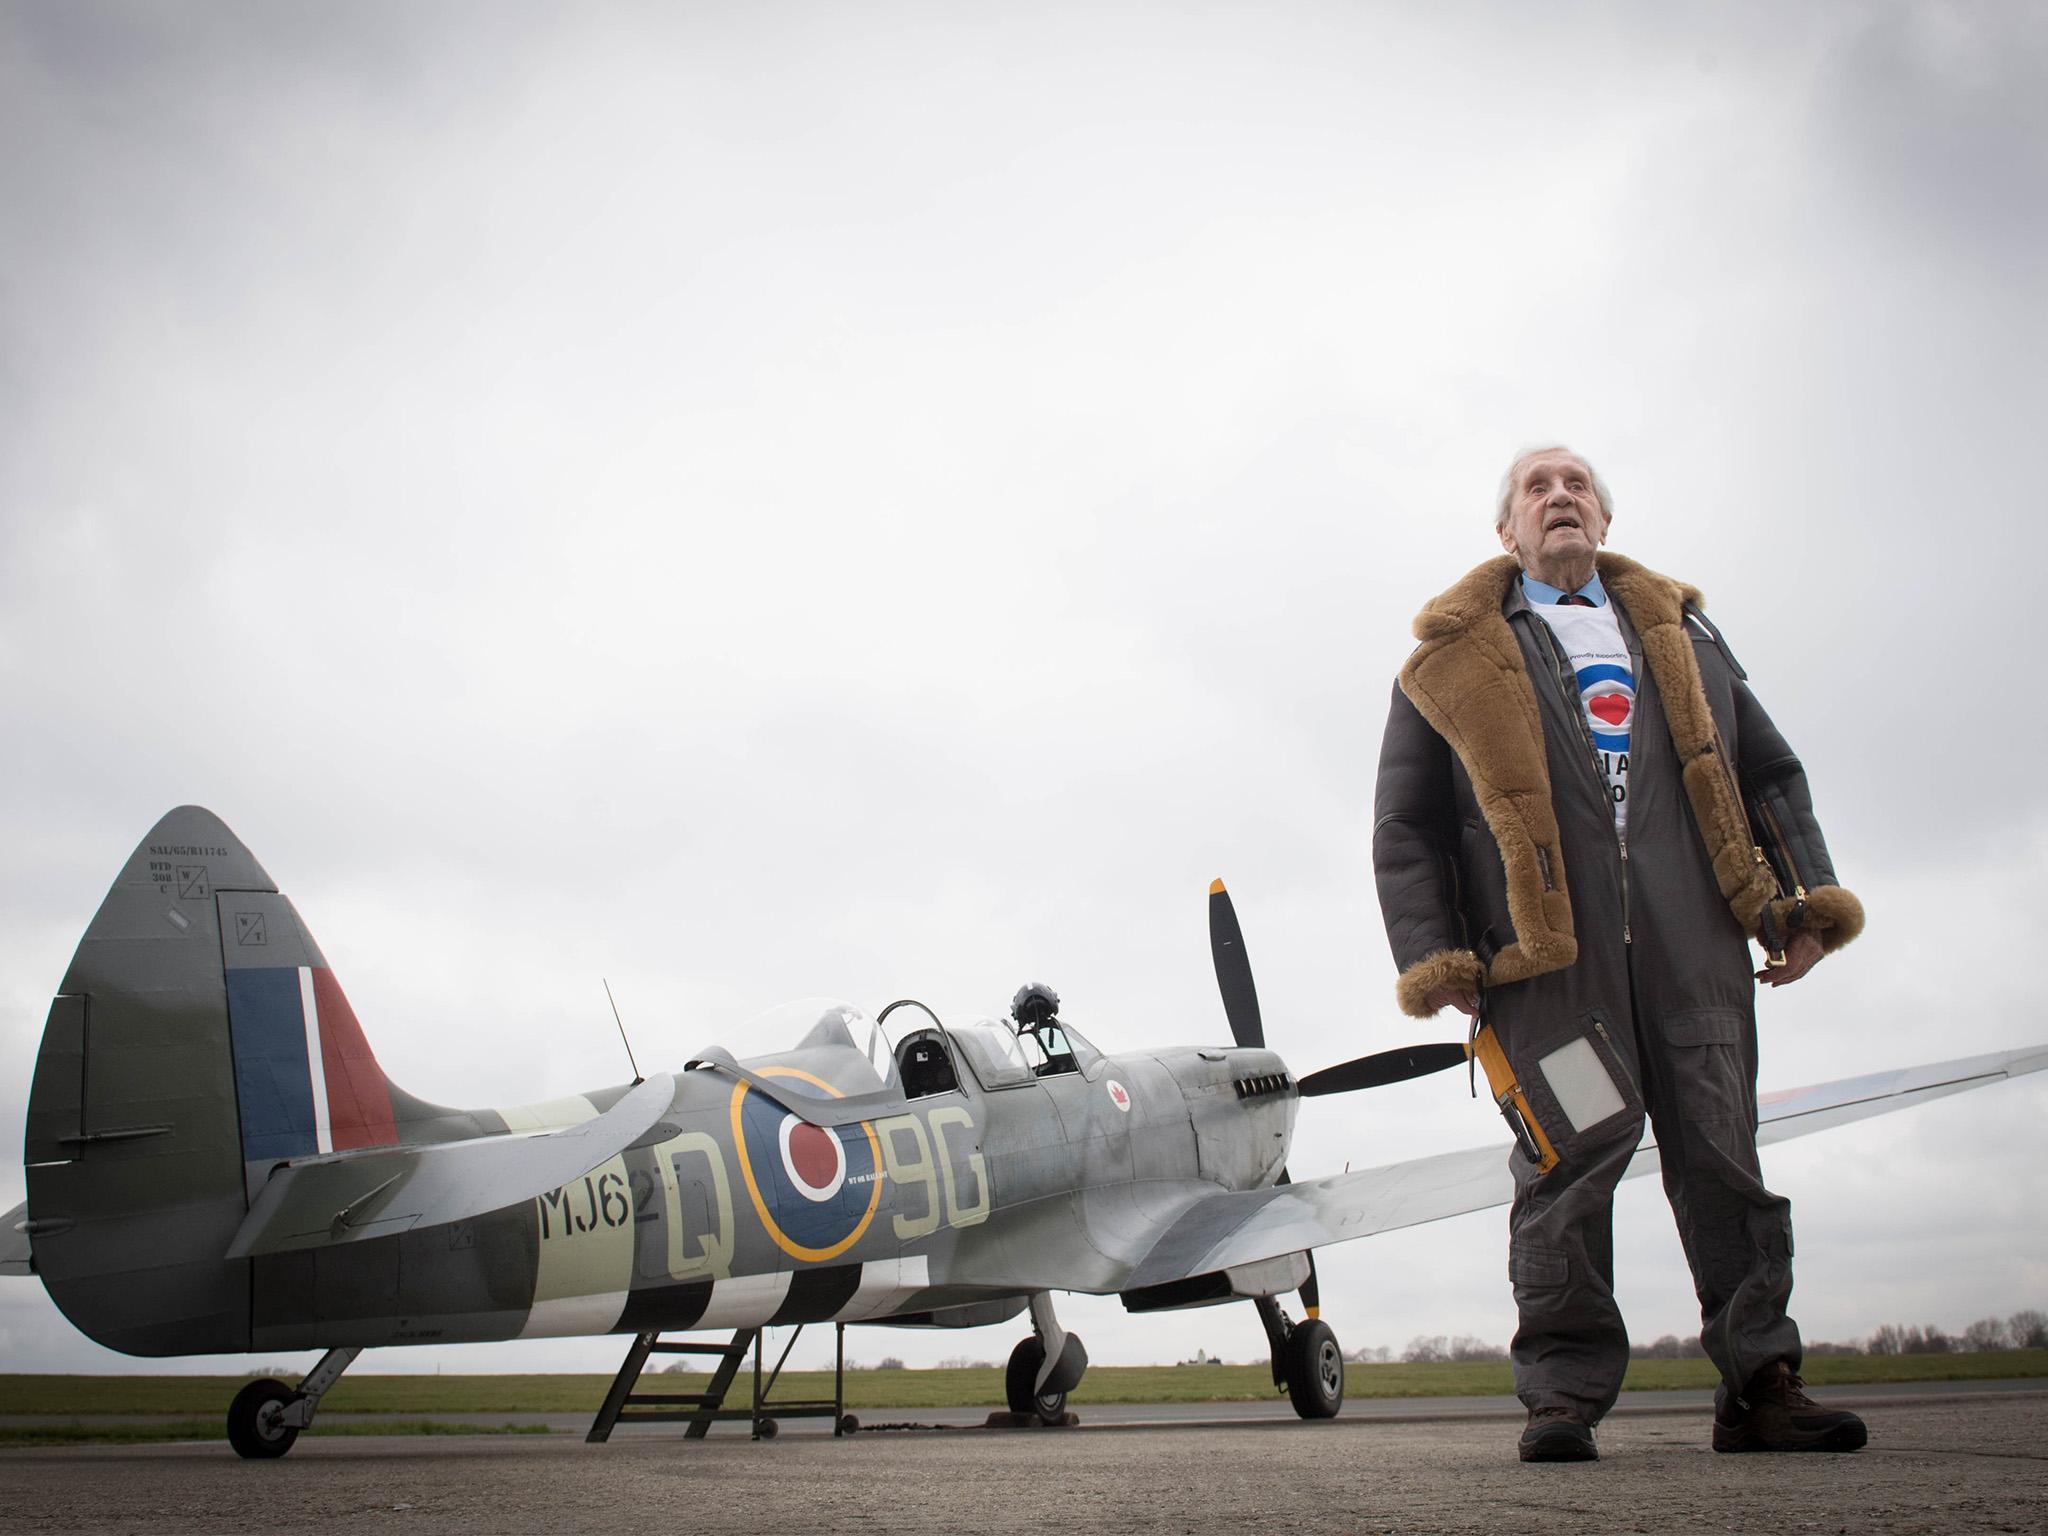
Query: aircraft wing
(15, 1258)
(1225, 1230)
(344, 1197)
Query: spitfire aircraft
(215, 1163)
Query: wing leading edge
(345, 1197)
(1225, 1230)
(16, 1257)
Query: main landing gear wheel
(254, 1427)
(1315, 1370)
(1020, 1382)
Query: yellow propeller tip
(1215, 887)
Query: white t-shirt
(1591, 641)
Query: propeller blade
(1233, 969)
(1376, 1071)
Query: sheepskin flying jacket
(1470, 680)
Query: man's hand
(1459, 998)
(1802, 954)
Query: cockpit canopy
(908, 1045)
(999, 1053)
(1002, 1055)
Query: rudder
(198, 1038)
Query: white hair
(1507, 483)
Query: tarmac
(1946, 1457)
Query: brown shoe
(1557, 1434)
(1775, 1414)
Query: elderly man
(1561, 835)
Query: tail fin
(198, 1038)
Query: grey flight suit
(1662, 993)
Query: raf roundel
(1118, 1095)
(814, 1159)
(814, 1188)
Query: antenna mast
(637, 1078)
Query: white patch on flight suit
(1580, 1083)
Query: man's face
(1554, 515)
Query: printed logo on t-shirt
(1591, 640)
(1609, 694)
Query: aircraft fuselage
(744, 1214)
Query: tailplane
(198, 1039)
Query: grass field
(206, 1397)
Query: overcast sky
(761, 500)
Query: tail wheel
(1020, 1385)
(1315, 1370)
(255, 1427)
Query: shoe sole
(1848, 1437)
(1559, 1446)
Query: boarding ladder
(700, 1410)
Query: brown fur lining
(1656, 606)
(1467, 679)
(1832, 913)
(1444, 968)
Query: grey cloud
(761, 503)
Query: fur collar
(1643, 594)
(1467, 679)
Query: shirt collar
(1544, 592)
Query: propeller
(1241, 1008)
(1383, 1067)
(1233, 969)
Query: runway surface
(1948, 1459)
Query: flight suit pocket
(1581, 1090)
(1536, 1272)
(1707, 1055)
(1705, 1026)
(1482, 884)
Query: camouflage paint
(201, 1042)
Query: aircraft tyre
(253, 1429)
(1315, 1370)
(1020, 1381)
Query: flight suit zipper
(1622, 842)
(1567, 686)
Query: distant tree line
(886, 1363)
(2023, 1330)
(1429, 1349)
